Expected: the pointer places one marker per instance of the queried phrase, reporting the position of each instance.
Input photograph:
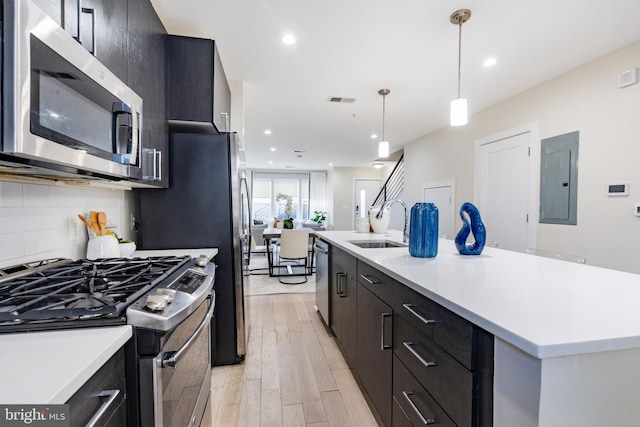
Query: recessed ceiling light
(273, 149)
(267, 132)
(270, 162)
(378, 165)
(288, 39)
(374, 136)
(489, 62)
(330, 164)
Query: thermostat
(618, 189)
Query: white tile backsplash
(10, 194)
(35, 220)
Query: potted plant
(319, 217)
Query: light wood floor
(293, 374)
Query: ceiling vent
(341, 100)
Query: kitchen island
(567, 336)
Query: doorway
(505, 187)
(442, 194)
(371, 188)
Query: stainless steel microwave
(62, 108)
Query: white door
(371, 189)
(442, 195)
(503, 190)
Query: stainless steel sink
(377, 244)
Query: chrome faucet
(405, 233)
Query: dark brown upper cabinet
(198, 91)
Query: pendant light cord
(459, 54)
(384, 97)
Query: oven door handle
(170, 358)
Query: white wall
(587, 100)
(343, 183)
(35, 219)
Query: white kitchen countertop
(545, 307)
(49, 367)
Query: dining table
(272, 234)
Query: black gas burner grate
(80, 290)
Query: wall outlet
(132, 222)
(75, 229)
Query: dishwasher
(322, 279)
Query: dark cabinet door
(103, 32)
(99, 25)
(344, 303)
(197, 86)
(375, 355)
(146, 76)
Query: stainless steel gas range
(169, 301)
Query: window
(266, 186)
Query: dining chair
(261, 249)
(294, 248)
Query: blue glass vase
(423, 230)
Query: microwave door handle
(122, 131)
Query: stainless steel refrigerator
(205, 206)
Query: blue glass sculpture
(476, 227)
(423, 230)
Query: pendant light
(383, 145)
(459, 112)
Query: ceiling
(353, 48)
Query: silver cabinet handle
(92, 12)
(226, 121)
(156, 162)
(383, 316)
(102, 410)
(170, 358)
(415, 313)
(409, 346)
(370, 281)
(339, 290)
(426, 421)
(157, 167)
(320, 250)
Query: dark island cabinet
(375, 328)
(443, 364)
(343, 306)
(99, 25)
(147, 74)
(198, 91)
(417, 362)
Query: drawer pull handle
(409, 346)
(425, 421)
(383, 346)
(112, 395)
(373, 281)
(415, 313)
(339, 290)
